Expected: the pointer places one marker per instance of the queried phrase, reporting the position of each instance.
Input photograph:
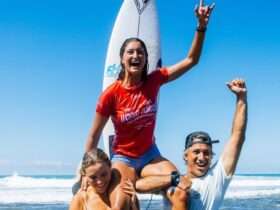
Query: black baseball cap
(199, 137)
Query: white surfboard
(136, 18)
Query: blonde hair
(92, 157)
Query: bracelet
(175, 178)
(201, 29)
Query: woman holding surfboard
(131, 102)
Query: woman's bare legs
(157, 176)
(122, 172)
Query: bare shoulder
(89, 200)
(77, 202)
(96, 203)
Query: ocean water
(246, 192)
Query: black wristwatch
(175, 178)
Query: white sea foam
(35, 196)
(253, 187)
(251, 193)
(17, 182)
(255, 182)
(21, 189)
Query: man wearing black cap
(209, 183)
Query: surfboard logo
(141, 5)
(113, 70)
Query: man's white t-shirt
(207, 192)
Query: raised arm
(95, 131)
(232, 149)
(203, 14)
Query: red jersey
(133, 112)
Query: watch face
(175, 178)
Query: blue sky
(52, 58)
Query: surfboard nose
(141, 5)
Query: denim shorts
(138, 163)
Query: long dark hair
(125, 43)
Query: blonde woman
(96, 167)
